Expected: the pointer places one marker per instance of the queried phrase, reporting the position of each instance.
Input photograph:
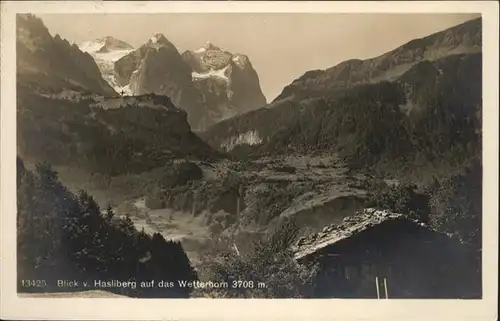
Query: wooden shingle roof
(350, 226)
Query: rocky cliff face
(228, 82)
(52, 64)
(209, 83)
(157, 67)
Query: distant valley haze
(281, 47)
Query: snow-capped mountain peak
(106, 51)
(210, 46)
(92, 46)
(158, 40)
(240, 60)
(225, 78)
(104, 45)
(211, 82)
(212, 73)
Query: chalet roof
(350, 226)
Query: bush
(269, 262)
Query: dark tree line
(62, 236)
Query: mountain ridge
(68, 115)
(104, 44)
(392, 124)
(389, 65)
(209, 83)
(227, 78)
(50, 62)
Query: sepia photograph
(248, 155)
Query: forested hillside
(63, 236)
(111, 136)
(52, 62)
(429, 118)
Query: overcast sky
(281, 47)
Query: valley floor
(317, 191)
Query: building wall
(415, 261)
